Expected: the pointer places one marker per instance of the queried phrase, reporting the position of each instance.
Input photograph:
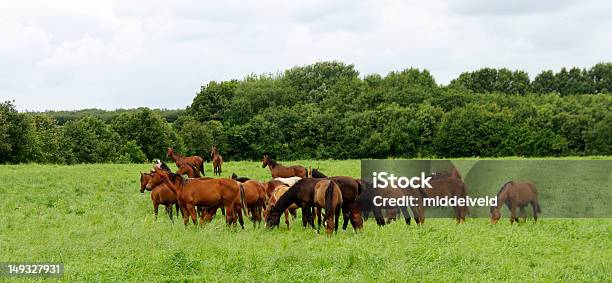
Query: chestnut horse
(327, 196)
(217, 160)
(160, 194)
(516, 194)
(279, 170)
(275, 195)
(252, 198)
(196, 161)
(210, 193)
(301, 194)
(189, 170)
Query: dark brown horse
(350, 188)
(211, 193)
(301, 194)
(160, 194)
(217, 160)
(281, 171)
(516, 194)
(196, 161)
(327, 196)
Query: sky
(67, 55)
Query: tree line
(327, 110)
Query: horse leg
(318, 215)
(337, 218)
(346, 216)
(415, 213)
(240, 220)
(513, 214)
(458, 214)
(223, 210)
(406, 214)
(155, 207)
(192, 213)
(380, 220)
(523, 214)
(229, 215)
(534, 206)
(185, 214)
(287, 218)
(169, 211)
(293, 213)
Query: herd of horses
(320, 197)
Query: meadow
(93, 219)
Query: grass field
(93, 219)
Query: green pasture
(93, 219)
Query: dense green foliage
(92, 219)
(326, 110)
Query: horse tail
(329, 198)
(242, 200)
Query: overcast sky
(123, 54)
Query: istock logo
(384, 180)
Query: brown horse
(211, 193)
(239, 179)
(281, 171)
(217, 160)
(196, 161)
(327, 196)
(516, 194)
(445, 184)
(252, 198)
(160, 194)
(350, 188)
(188, 169)
(275, 195)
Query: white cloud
(110, 54)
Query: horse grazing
(160, 194)
(275, 195)
(279, 170)
(445, 184)
(516, 194)
(327, 196)
(301, 194)
(217, 160)
(252, 200)
(195, 161)
(350, 188)
(239, 179)
(211, 193)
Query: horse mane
(165, 167)
(504, 187)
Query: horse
(217, 160)
(196, 161)
(275, 195)
(445, 184)
(516, 194)
(300, 194)
(211, 193)
(160, 194)
(350, 189)
(279, 170)
(288, 181)
(369, 193)
(239, 179)
(252, 198)
(189, 170)
(327, 196)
